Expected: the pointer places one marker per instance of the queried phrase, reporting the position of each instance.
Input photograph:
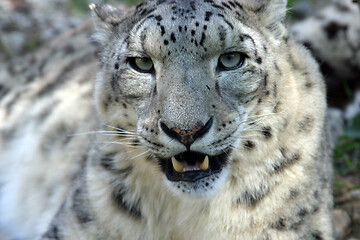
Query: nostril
(204, 129)
(187, 137)
(168, 131)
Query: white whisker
(140, 154)
(122, 130)
(130, 145)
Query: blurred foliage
(78, 7)
(347, 149)
(130, 2)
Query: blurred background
(28, 25)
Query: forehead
(182, 24)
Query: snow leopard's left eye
(141, 64)
(230, 61)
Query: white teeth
(178, 166)
(205, 164)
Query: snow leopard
(203, 119)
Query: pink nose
(187, 137)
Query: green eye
(141, 64)
(230, 61)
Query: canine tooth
(205, 164)
(178, 166)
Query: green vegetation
(347, 149)
(78, 7)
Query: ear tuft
(106, 20)
(269, 13)
(107, 13)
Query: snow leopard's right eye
(141, 64)
(230, 61)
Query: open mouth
(192, 166)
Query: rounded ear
(106, 19)
(269, 13)
(268, 10)
(106, 13)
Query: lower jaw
(216, 164)
(204, 188)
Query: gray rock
(341, 222)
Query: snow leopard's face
(195, 77)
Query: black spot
(316, 235)
(119, 197)
(333, 28)
(222, 33)
(162, 30)
(286, 39)
(305, 125)
(53, 233)
(228, 23)
(302, 212)
(308, 45)
(208, 15)
(166, 42)
(293, 194)
(158, 18)
(265, 79)
(180, 29)
(308, 84)
(259, 60)
(274, 89)
(315, 209)
(197, 24)
(249, 145)
(225, 5)
(116, 66)
(205, 27)
(279, 224)
(266, 131)
(238, 5)
(218, 6)
(192, 5)
(232, 4)
(202, 39)
(295, 226)
(192, 32)
(107, 161)
(253, 197)
(217, 88)
(172, 37)
(285, 161)
(80, 208)
(276, 107)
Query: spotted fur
(261, 123)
